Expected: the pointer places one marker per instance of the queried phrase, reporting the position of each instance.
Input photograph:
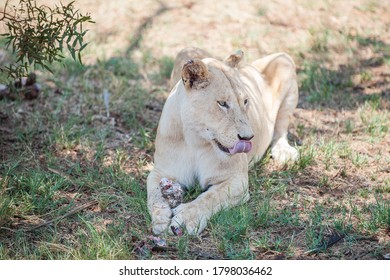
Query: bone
(177, 231)
(172, 192)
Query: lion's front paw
(161, 217)
(189, 217)
(282, 152)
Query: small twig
(6, 130)
(338, 173)
(60, 174)
(70, 213)
(9, 229)
(366, 238)
(55, 246)
(6, 15)
(204, 256)
(333, 239)
(385, 169)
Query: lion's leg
(158, 207)
(195, 214)
(279, 72)
(281, 150)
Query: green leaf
(83, 47)
(79, 57)
(47, 68)
(74, 43)
(40, 37)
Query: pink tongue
(241, 146)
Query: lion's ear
(234, 59)
(195, 74)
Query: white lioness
(220, 117)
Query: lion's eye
(246, 101)
(223, 104)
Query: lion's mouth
(241, 146)
(222, 147)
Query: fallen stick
(333, 239)
(70, 213)
(60, 174)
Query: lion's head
(217, 104)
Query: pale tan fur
(192, 119)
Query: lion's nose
(245, 137)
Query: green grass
(358, 159)
(378, 215)
(166, 66)
(319, 42)
(262, 11)
(243, 232)
(321, 85)
(67, 140)
(375, 121)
